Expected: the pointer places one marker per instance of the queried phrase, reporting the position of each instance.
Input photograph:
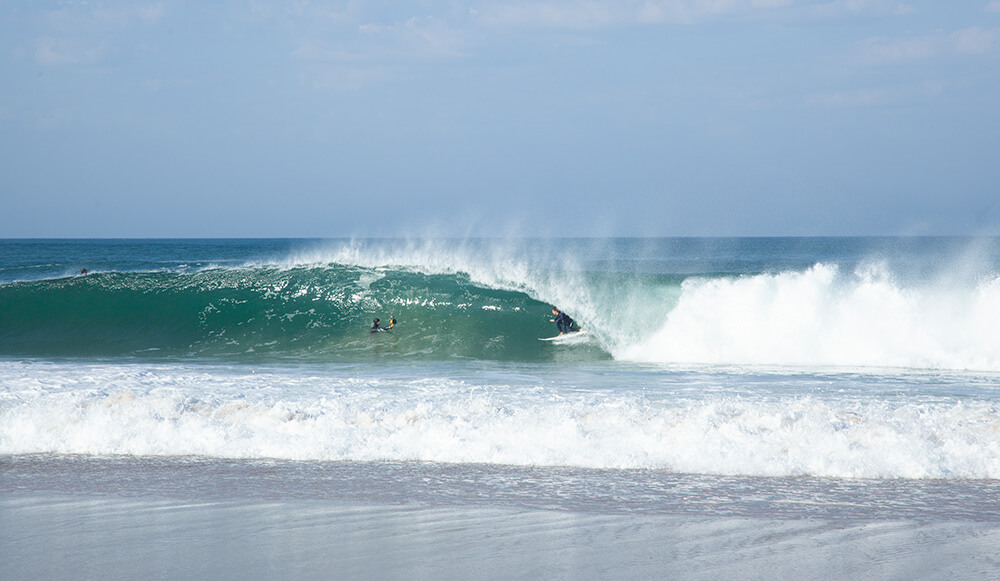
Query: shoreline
(585, 490)
(128, 517)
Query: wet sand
(128, 518)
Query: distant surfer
(83, 271)
(377, 325)
(563, 322)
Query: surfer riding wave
(564, 322)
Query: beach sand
(79, 517)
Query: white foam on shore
(172, 411)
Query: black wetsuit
(565, 323)
(375, 326)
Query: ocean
(752, 407)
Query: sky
(266, 118)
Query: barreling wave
(487, 302)
(257, 312)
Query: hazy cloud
(974, 40)
(418, 37)
(584, 14)
(855, 98)
(870, 97)
(85, 16)
(580, 14)
(50, 51)
(847, 7)
(76, 33)
(595, 105)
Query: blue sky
(562, 117)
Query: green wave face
(260, 313)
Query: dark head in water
(375, 326)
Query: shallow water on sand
(126, 517)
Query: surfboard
(575, 337)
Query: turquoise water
(920, 303)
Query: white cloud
(993, 6)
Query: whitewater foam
(168, 411)
(825, 317)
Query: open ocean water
(759, 408)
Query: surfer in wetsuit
(377, 325)
(563, 321)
